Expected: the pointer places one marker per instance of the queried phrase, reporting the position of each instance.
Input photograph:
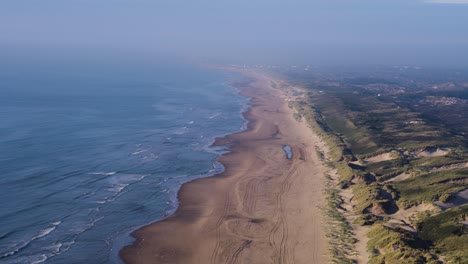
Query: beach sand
(264, 208)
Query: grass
(448, 234)
(366, 195)
(357, 125)
(387, 166)
(363, 196)
(429, 162)
(333, 114)
(367, 124)
(390, 246)
(319, 153)
(430, 187)
(339, 231)
(298, 117)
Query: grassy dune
(358, 125)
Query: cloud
(453, 2)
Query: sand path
(263, 209)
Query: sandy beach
(264, 208)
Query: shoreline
(262, 207)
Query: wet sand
(264, 208)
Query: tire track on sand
(281, 250)
(225, 209)
(235, 255)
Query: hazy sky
(309, 31)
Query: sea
(92, 150)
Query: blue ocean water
(90, 151)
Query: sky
(332, 32)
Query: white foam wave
(42, 233)
(213, 116)
(243, 127)
(66, 246)
(103, 173)
(178, 177)
(217, 168)
(47, 231)
(118, 185)
(181, 130)
(55, 248)
(11, 253)
(150, 157)
(42, 258)
(140, 151)
(86, 226)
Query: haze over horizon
(415, 32)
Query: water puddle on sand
(287, 149)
